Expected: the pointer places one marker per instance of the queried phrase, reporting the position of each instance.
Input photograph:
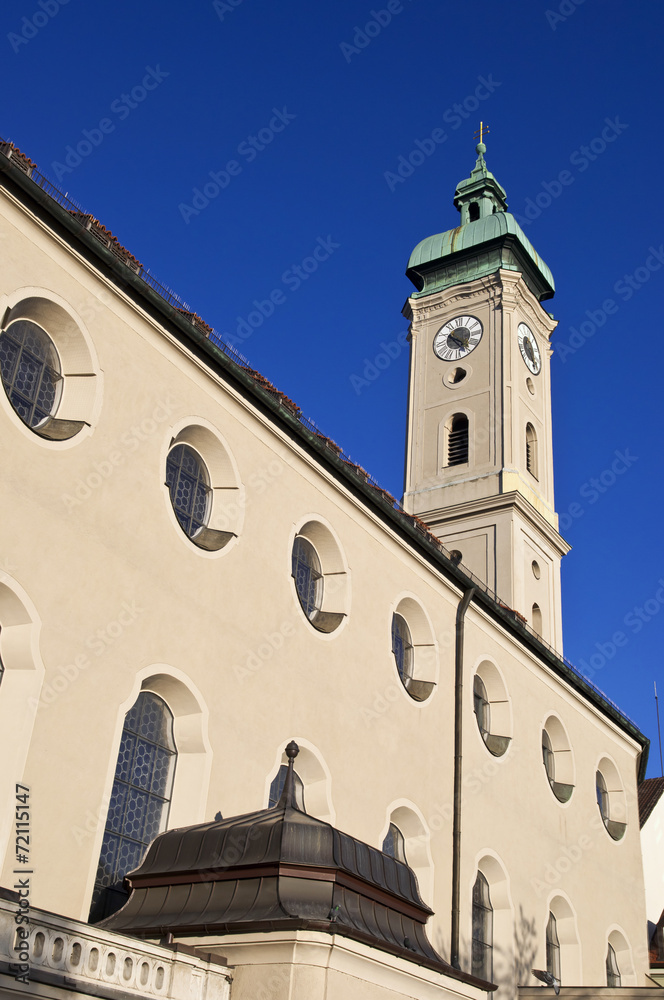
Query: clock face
(457, 338)
(529, 349)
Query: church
(267, 731)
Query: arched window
(474, 211)
(531, 451)
(613, 977)
(482, 949)
(30, 370)
(140, 799)
(277, 787)
(189, 486)
(537, 619)
(394, 844)
(552, 948)
(308, 576)
(456, 452)
(402, 647)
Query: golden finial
(481, 132)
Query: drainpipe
(456, 828)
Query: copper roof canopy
(279, 869)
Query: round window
(30, 370)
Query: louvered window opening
(402, 647)
(188, 484)
(482, 946)
(140, 799)
(531, 450)
(457, 442)
(30, 371)
(306, 570)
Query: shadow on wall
(525, 949)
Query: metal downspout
(456, 828)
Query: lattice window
(394, 844)
(482, 706)
(30, 371)
(308, 577)
(189, 485)
(602, 796)
(277, 787)
(548, 757)
(613, 977)
(140, 800)
(402, 646)
(482, 948)
(552, 948)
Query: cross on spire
(481, 132)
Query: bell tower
(479, 464)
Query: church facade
(193, 577)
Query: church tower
(479, 464)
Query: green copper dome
(488, 238)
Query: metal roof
(278, 868)
(442, 246)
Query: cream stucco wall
(118, 599)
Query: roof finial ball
(480, 148)
(292, 750)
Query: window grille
(482, 706)
(140, 799)
(188, 483)
(457, 440)
(602, 796)
(482, 947)
(308, 577)
(394, 844)
(30, 371)
(613, 977)
(548, 757)
(402, 647)
(552, 948)
(277, 787)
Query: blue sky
(304, 113)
